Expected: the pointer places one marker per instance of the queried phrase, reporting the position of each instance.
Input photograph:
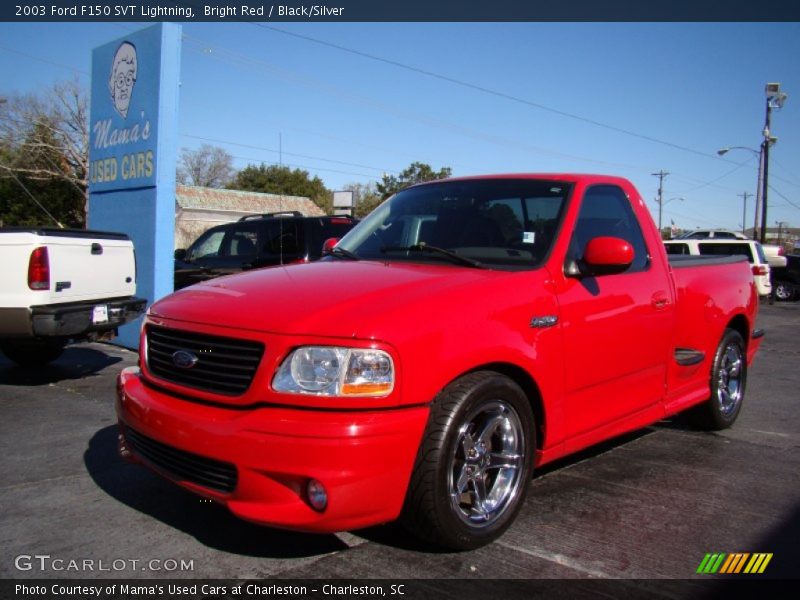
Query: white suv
(750, 249)
(716, 234)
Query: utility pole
(759, 191)
(775, 99)
(765, 183)
(780, 225)
(744, 196)
(661, 174)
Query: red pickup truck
(466, 332)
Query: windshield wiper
(344, 253)
(423, 247)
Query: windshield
(495, 223)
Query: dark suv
(786, 280)
(254, 242)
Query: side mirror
(607, 255)
(180, 254)
(328, 245)
(601, 256)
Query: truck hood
(329, 298)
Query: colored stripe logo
(738, 562)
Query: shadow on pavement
(209, 523)
(394, 535)
(75, 363)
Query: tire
(728, 380)
(474, 464)
(32, 353)
(784, 291)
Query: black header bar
(182, 11)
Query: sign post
(133, 148)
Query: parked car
(776, 255)
(750, 249)
(786, 280)
(773, 252)
(62, 285)
(713, 234)
(254, 242)
(465, 332)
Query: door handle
(659, 300)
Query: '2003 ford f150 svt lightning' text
(465, 332)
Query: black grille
(207, 472)
(224, 365)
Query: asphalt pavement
(649, 505)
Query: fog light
(317, 496)
(123, 449)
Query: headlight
(336, 371)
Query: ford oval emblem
(183, 359)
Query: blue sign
(133, 152)
(125, 102)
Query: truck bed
(680, 261)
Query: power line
(298, 166)
(27, 191)
(331, 160)
(43, 60)
(238, 59)
(426, 120)
(483, 89)
(784, 197)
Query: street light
(775, 99)
(759, 183)
(661, 204)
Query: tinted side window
(606, 211)
(242, 241)
(283, 238)
(732, 249)
(207, 246)
(677, 248)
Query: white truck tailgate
(84, 265)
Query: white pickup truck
(63, 285)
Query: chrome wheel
(474, 463)
(727, 382)
(784, 292)
(485, 470)
(730, 379)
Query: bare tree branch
(208, 166)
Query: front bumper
(363, 458)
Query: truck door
(617, 327)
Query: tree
(365, 197)
(44, 143)
(208, 166)
(417, 172)
(274, 179)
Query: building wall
(198, 209)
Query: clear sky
(624, 99)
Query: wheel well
(739, 323)
(524, 380)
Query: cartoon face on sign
(123, 77)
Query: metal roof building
(198, 209)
